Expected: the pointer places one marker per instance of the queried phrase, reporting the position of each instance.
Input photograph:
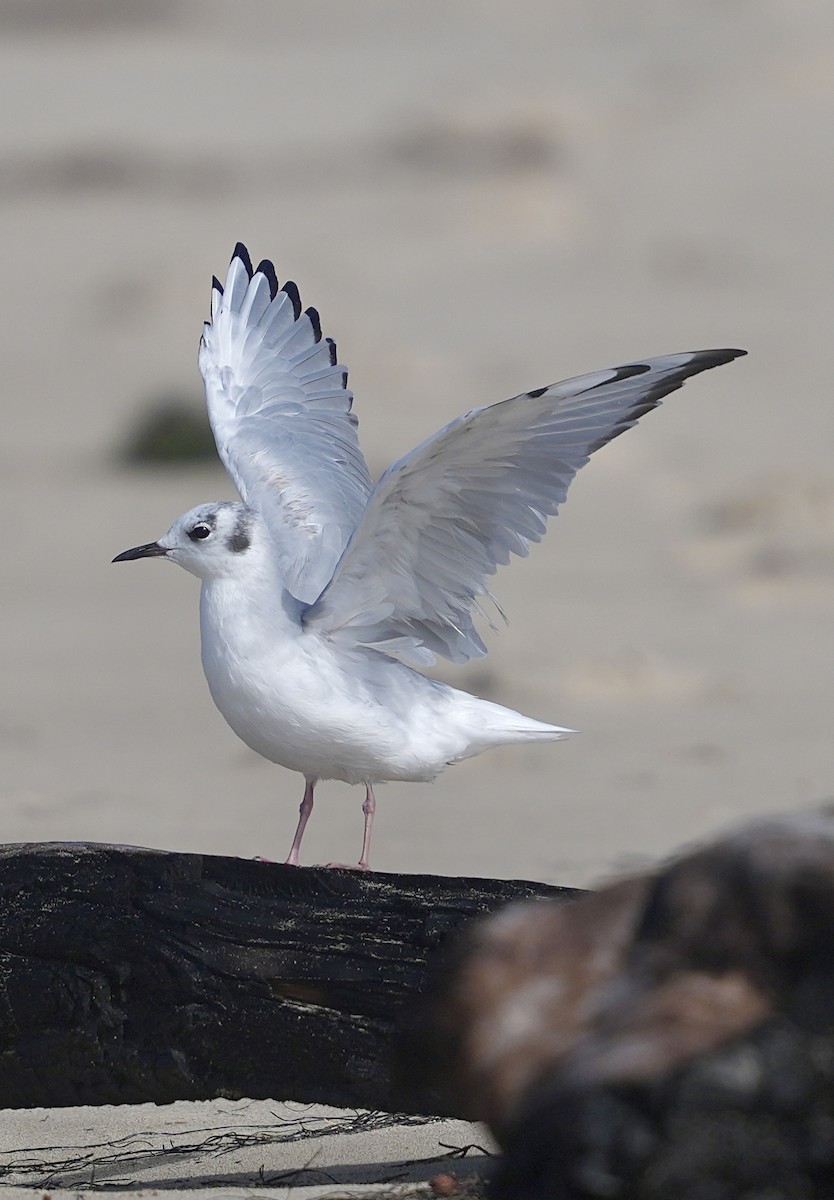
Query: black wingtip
(242, 253)
(216, 285)
(717, 358)
(312, 313)
(334, 356)
(705, 360)
(266, 268)
(659, 388)
(292, 291)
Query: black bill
(151, 550)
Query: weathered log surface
(131, 975)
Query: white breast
(297, 700)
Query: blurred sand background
(480, 198)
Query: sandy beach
(479, 199)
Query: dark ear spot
(240, 539)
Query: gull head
(210, 540)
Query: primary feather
(280, 410)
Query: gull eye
(199, 532)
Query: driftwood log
(131, 975)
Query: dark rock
(669, 1036)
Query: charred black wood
(131, 975)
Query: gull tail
(494, 725)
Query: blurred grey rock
(669, 1036)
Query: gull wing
(453, 510)
(280, 410)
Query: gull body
(305, 701)
(323, 595)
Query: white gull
(321, 592)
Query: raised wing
(448, 514)
(280, 409)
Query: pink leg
(368, 808)
(303, 817)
